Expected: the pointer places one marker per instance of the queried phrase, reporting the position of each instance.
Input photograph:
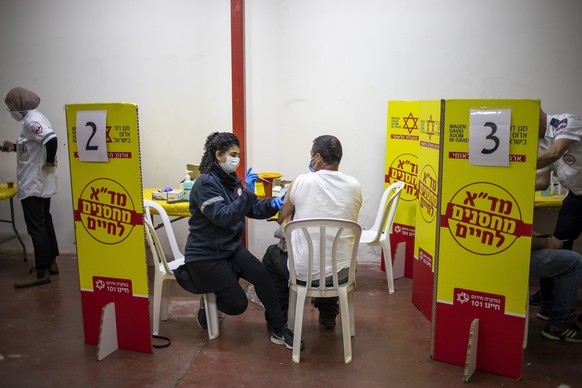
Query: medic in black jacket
(215, 257)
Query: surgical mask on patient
(310, 165)
(231, 164)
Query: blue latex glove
(277, 202)
(250, 179)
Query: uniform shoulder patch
(562, 124)
(36, 127)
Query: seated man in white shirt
(323, 193)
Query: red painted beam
(237, 54)
(237, 37)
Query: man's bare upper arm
(288, 208)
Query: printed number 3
(88, 146)
(491, 136)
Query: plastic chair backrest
(340, 229)
(148, 205)
(387, 210)
(156, 247)
(391, 207)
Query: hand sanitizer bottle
(187, 184)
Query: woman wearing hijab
(214, 255)
(36, 150)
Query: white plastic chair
(163, 271)
(379, 234)
(340, 230)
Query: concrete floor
(42, 344)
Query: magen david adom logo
(484, 218)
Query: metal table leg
(16, 234)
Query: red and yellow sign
(484, 218)
(484, 238)
(106, 211)
(107, 205)
(402, 165)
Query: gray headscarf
(20, 99)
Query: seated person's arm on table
(542, 179)
(288, 208)
(539, 241)
(556, 150)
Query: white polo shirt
(33, 179)
(568, 168)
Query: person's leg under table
(566, 269)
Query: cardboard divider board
(106, 186)
(485, 205)
(402, 165)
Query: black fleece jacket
(219, 205)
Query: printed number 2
(89, 147)
(491, 136)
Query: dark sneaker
(327, 322)
(285, 338)
(201, 319)
(544, 313)
(567, 333)
(535, 299)
(32, 280)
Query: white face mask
(18, 116)
(231, 164)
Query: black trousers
(275, 260)
(568, 228)
(569, 223)
(39, 224)
(222, 278)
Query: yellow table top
(180, 209)
(5, 192)
(547, 201)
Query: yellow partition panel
(484, 240)
(106, 189)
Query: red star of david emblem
(430, 127)
(36, 127)
(414, 121)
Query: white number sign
(489, 137)
(91, 144)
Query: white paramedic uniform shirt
(569, 167)
(34, 179)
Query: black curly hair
(216, 141)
